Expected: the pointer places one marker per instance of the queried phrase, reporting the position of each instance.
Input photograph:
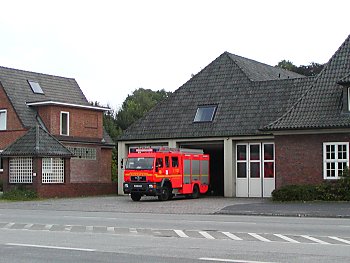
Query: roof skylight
(205, 113)
(35, 87)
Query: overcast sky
(114, 47)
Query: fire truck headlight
(151, 186)
(126, 185)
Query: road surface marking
(180, 233)
(110, 229)
(291, 240)
(9, 225)
(232, 236)
(27, 226)
(341, 240)
(68, 228)
(48, 227)
(259, 237)
(52, 247)
(233, 260)
(89, 228)
(206, 235)
(133, 230)
(315, 240)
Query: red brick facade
(82, 122)
(66, 189)
(299, 158)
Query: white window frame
(61, 114)
(335, 160)
(21, 170)
(3, 126)
(52, 171)
(1, 163)
(349, 99)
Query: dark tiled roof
(37, 142)
(15, 83)
(345, 80)
(257, 71)
(321, 106)
(243, 106)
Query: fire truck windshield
(139, 163)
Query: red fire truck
(165, 172)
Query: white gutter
(50, 102)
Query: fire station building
(264, 127)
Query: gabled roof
(37, 143)
(243, 105)
(257, 71)
(59, 89)
(321, 106)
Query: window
(21, 171)
(1, 164)
(83, 153)
(335, 159)
(205, 113)
(35, 87)
(52, 170)
(3, 120)
(175, 162)
(64, 129)
(348, 99)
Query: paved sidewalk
(204, 205)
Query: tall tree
(137, 104)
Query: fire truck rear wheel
(195, 193)
(135, 196)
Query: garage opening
(216, 152)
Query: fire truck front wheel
(164, 194)
(135, 196)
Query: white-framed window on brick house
(1, 164)
(3, 120)
(64, 123)
(335, 159)
(52, 170)
(21, 170)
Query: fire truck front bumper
(151, 189)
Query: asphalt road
(51, 235)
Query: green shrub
(295, 193)
(332, 190)
(19, 194)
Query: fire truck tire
(135, 196)
(165, 194)
(195, 193)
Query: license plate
(137, 186)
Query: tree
(309, 70)
(137, 104)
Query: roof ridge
(33, 72)
(237, 64)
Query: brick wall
(299, 158)
(98, 170)
(14, 128)
(82, 122)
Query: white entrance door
(255, 169)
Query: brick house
(264, 127)
(51, 138)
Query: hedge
(335, 190)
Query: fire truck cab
(165, 172)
